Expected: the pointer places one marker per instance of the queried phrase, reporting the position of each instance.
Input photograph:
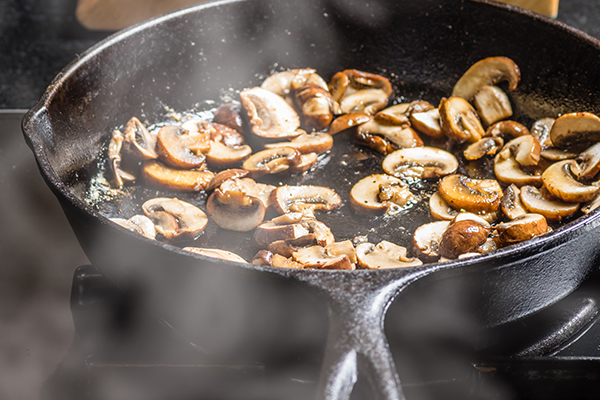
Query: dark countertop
(39, 252)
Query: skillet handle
(356, 343)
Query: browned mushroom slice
(322, 233)
(315, 105)
(348, 121)
(307, 161)
(384, 255)
(568, 153)
(186, 220)
(282, 247)
(419, 162)
(344, 247)
(226, 135)
(403, 137)
(525, 149)
(468, 216)
(591, 205)
(473, 195)
(229, 115)
(270, 232)
(361, 80)
(337, 85)
(541, 130)
(280, 83)
(511, 204)
(459, 121)
(560, 180)
(180, 148)
(289, 218)
(487, 72)
(248, 186)
(589, 163)
(234, 210)
(439, 209)
(373, 141)
(524, 227)
(482, 147)
(427, 122)
(318, 142)
(269, 115)
(176, 179)
(394, 115)
(282, 262)
(461, 237)
(225, 175)
(318, 257)
(271, 161)
(578, 127)
(223, 156)
(358, 91)
(139, 141)
(426, 239)
(508, 171)
(139, 224)
(379, 194)
(114, 155)
(508, 129)
(492, 104)
(216, 253)
(540, 202)
(366, 100)
(305, 199)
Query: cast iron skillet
(189, 56)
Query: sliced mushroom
(394, 115)
(229, 115)
(271, 161)
(427, 122)
(139, 224)
(171, 178)
(180, 148)
(138, 141)
(560, 180)
(461, 237)
(523, 227)
(511, 204)
(578, 127)
(223, 156)
(473, 195)
(589, 163)
(482, 147)
(280, 83)
(234, 210)
(439, 209)
(508, 171)
(318, 142)
(315, 105)
(225, 175)
(511, 129)
(384, 255)
(358, 91)
(487, 72)
(468, 216)
(305, 199)
(347, 121)
(401, 136)
(289, 218)
(344, 247)
(282, 262)
(540, 202)
(226, 135)
(459, 121)
(426, 239)
(541, 130)
(270, 232)
(269, 115)
(591, 205)
(375, 142)
(248, 186)
(419, 162)
(174, 218)
(492, 104)
(318, 257)
(307, 161)
(282, 247)
(379, 194)
(525, 149)
(556, 154)
(216, 253)
(114, 155)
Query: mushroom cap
(474, 195)
(426, 239)
(420, 162)
(559, 179)
(224, 156)
(540, 202)
(511, 204)
(572, 128)
(427, 122)
(180, 148)
(461, 237)
(347, 121)
(523, 227)
(492, 104)
(189, 220)
(365, 195)
(486, 72)
(271, 161)
(384, 255)
(589, 162)
(304, 198)
(482, 147)
(306, 143)
(216, 253)
(140, 142)
(171, 178)
(269, 115)
(401, 136)
(508, 171)
(234, 210)
(459, 121)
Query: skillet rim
(520, 251)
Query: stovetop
(40, 254)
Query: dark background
(38, 252)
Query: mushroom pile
(541, 176)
